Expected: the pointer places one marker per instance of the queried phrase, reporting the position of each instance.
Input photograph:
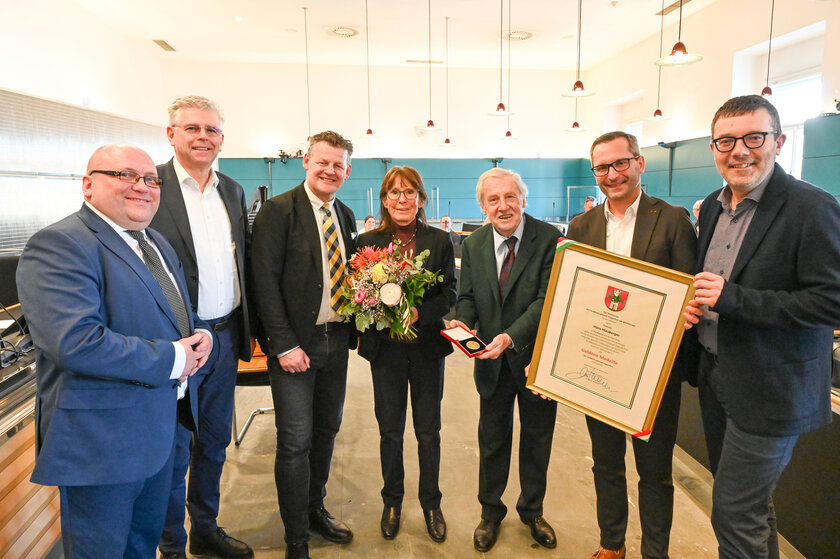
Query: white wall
(54, 49)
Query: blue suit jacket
(103, 333)
(778, 309)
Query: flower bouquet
(382, 287)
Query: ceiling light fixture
(430, 125)
(501, 110)
(344, 32)
(575, 125)
(679, 54)
(519, 35)
(767, 92)
(447, 141)
(369, 132)
(578, 90)
(306, 50)
(508, 135)
(657, 114)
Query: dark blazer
(286, 267)
(172, 222)
(778, 308)
(103, 332)
(479, 305)
(437, 301)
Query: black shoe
(541, 531)
(173, 555)
(435, 524)
(486, 534)
(390, 523)
(322, 522)
(297, 551)
(220, 544)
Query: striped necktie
(334, 260)
(504, 273)
(173, 297)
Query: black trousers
(656, 485)
(495, 439)
(308, 410)
(397, 367)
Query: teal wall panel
(821, 154)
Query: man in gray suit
(631, 223)
(505, 268)
(203, 216)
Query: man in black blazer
(631, 223)
(505, 267)
(202, 214)
(301, 242)
(765, 307)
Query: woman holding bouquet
(398, 366)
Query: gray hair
(498, 172)
(194, 102)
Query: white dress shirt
(215, 253)
(500, 247)
(620, 231)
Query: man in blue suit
(115, 343)
(765, 306)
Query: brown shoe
(609, 553)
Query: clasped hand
(197, 349)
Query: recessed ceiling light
(519, 35)
(237, 18)
(344, 32)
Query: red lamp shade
(766, 92)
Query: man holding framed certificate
(765, 307)
(633, 224)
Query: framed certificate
(608, 336)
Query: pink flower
(359, 296)
(390, 248)
(372, 301)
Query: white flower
(390, 293)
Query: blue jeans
(746, 468)
(308, 409)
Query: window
(796, 101)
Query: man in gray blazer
(505, 268)
(202, 214)
(631, 223)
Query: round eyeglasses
(753, 140)
(410, 194)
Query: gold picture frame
(609, 333)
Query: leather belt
(225, 322)
(330, 326)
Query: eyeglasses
(132, 177)
(395, 194)
(195, 130)
(753, 140)
(619, 165)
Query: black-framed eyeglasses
(195, 130)
(753, 140)
(619, 165)
(130, 176)
(395, 194)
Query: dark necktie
(176, 302)
(504, 273)
(333, 257)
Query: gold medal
(473, 345)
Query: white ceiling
(273, 30)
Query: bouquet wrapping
(381, 288)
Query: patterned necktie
(333, 257)
(176, 302)
(504, 273)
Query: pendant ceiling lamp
(447, 141)
(577, 89)
(576, 127)
(430, 125)
(369, 132)
(767, 92)
(306, 50)
(657, 114)
(501, 110)
(679, 54)
(508, 135)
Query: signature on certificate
(592, 375)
